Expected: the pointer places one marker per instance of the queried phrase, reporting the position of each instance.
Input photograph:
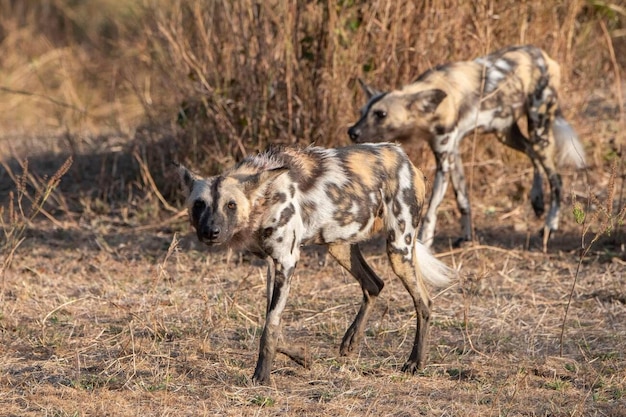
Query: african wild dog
(276, 201)
(491, 94)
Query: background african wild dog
(274, 202)
(491, 93)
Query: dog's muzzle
(209, 234)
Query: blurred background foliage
(211, 81)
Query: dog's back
(489, 93)
(347, 194)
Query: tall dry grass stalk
(607, 219)
(23, 206)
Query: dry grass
(109, 307)
(119, 328)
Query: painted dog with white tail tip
(490, 94)
(274, 202)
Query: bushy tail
(569, 149)
(432, 269)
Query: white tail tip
(435, 272)
(569, 148)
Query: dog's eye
(380, 114)
(231, 205)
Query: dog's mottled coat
(491, 94)
(275, 202)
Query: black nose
(354, 133)
(211, 232)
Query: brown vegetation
(106, 310)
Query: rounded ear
(425, 101)
(187, 177)
(368, 90)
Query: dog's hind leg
(402, 252)
(515, 139)
(404, 264)
(541, 115)
(350, 257)
(536, 192)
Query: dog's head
(395, 116)
(220, 207)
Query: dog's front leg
(462, 196)
(280, 275)
(271, 275)
(440, 185)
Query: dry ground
(106, 313)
